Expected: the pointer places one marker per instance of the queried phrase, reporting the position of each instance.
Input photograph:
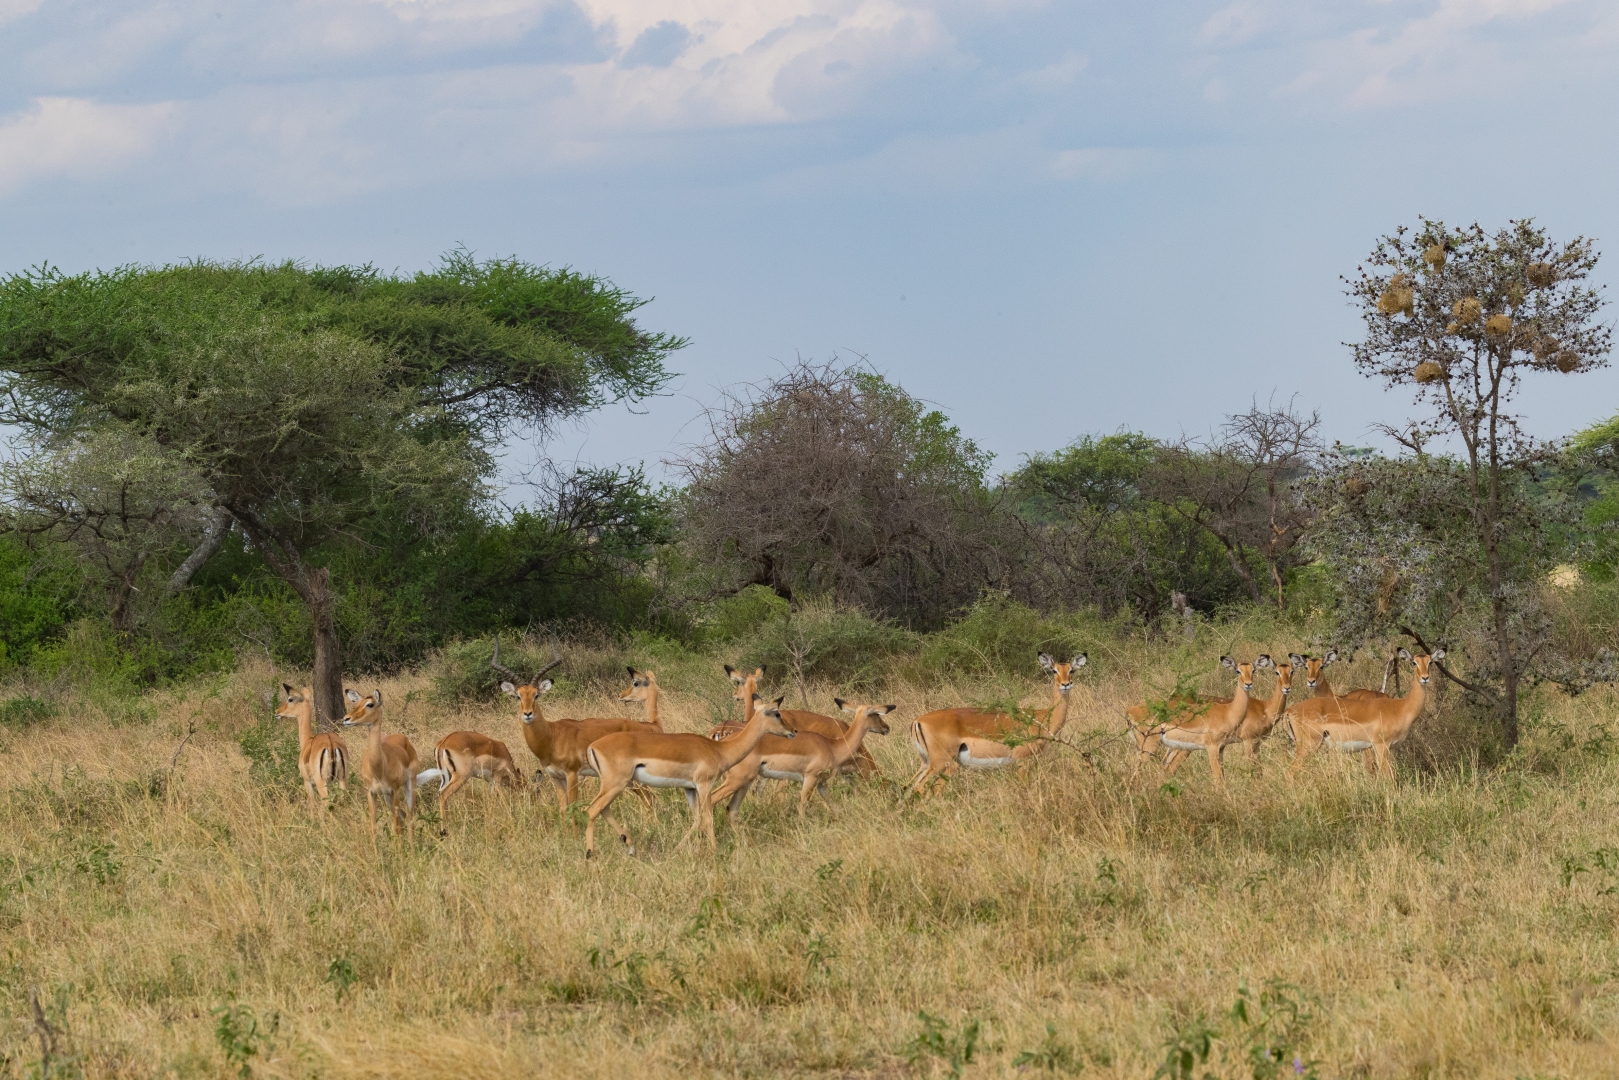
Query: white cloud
(1054, 77)
(75, 138)
(16, 9)
(1102, 163)
(1233, 25)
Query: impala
(807, 759)
(693, 763)
(322, 758)
(469, 755)
(952, 739)
(388, 765)
(1316, 678)
(830, 728)
(1378, 724)
(559, 745)
(1205, 725)
(1262, 715)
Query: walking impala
(559, 745)
(388, 765)
(807, 758)
(1204, 725)
(1350, 724)
(693, 763)
(952, 739)
(830, 728)
(468, 755)
(322, 758)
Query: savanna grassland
(180, 915)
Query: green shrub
(821, 640)
(271, 749)
(998, 635)
(24, 711)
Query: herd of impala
(808, 748)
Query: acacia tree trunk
(313, 584)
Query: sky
(1047, 218)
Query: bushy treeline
(221, 459)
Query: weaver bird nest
(1398, 297)
(1541, 274)
(1498, 325)
(1427, 372)
(1434, 256)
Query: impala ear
(545, 686)
(1331, 657)
(286, 688)
(379, 695)
(1295, 659)
(1047, 662)
(779, 700)
(352, 696)
(1078, 661)
(843, 706)
(1262, 661)
(731, 671)
(508, 688)
(1438, 654)
(759, 672)
(1227, 662)
(1404, 655)
(889, 708)
(631, 671)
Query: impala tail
(427, 776)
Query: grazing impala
(559, 745)
(952, 739)
(830, 728)
(467, 755)
(388, 765)
(322, 758)
(1204, 725)
(1378, 724)
(807, 758)
(693, 763)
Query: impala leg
(450, 789)
(371, 812)
(314, 807)
(598, 807)
(571, 795)
(410, 808)
(820, 789)
(705, 814)
(1174, 760)
(694, 799)
(864, 764)
(806, 793)
(1215, 753)
(1308, 741)
(1252, 747)
(1385, 760)
(1369, 756)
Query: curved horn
(506, 671)
(556, 659)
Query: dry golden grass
(1442, 928)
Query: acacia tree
(1459, 317)
(309, 400)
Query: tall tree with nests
(307, 400)
(1459, 317)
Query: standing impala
(807, 758)
(322, 758)
(952, 739)
(1316, 677)
(1349, 724)
(1204, 725)
(388, 765)
(693, 763)
(830, 728)
(559, 745)
(468, 755)
(1262, 715)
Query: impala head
(1245, 671)
(1284, 673)
(873, 713)
(771, 713)
(525, 689)
(1421, 663)
(362, 710)
(527, 695)
(745, 682)
(1063, 671)
(643, 685)
(295, 703)
(1313, 666)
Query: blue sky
(1048, 218)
